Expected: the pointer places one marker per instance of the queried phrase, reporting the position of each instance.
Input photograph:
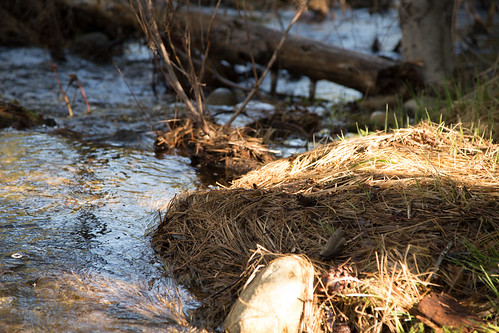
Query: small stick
(134, 97)
(66, 99)
(269, 66)
(72, 78)
(409, 209)
(439, 261)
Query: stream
(73, 212)
(75, 208)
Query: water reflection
(72, 207)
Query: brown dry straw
(400, 197)
(231, 152)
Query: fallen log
(237, 41)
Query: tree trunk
(427, 37)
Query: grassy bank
(420, 211)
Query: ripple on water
(72, 207)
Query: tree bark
(238, 41)
(446, 311)
(427, 37)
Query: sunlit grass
(477, 109)
(483, 262)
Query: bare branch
(144, 13)
(269, 65)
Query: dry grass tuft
(429, 152)
(406, 201)
(228, 151)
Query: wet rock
(276, 300)
(14, 115)
(221, 96)
(378, 118)
(92, 46)
(380, 102)
(413, 105)
(299, 122)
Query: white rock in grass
(221, 96)
(413, 105)
(276, 300)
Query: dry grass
(425, 152)
(228, 151)
(405, 200)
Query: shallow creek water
(71, 208)
(74, 255)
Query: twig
(66, 99)
(212, 70)
(250, 50)
(269, 66)
(151, 30)
(134, 97)
(208, 43)
(74, 78)
(439, 261)
(192, 77)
